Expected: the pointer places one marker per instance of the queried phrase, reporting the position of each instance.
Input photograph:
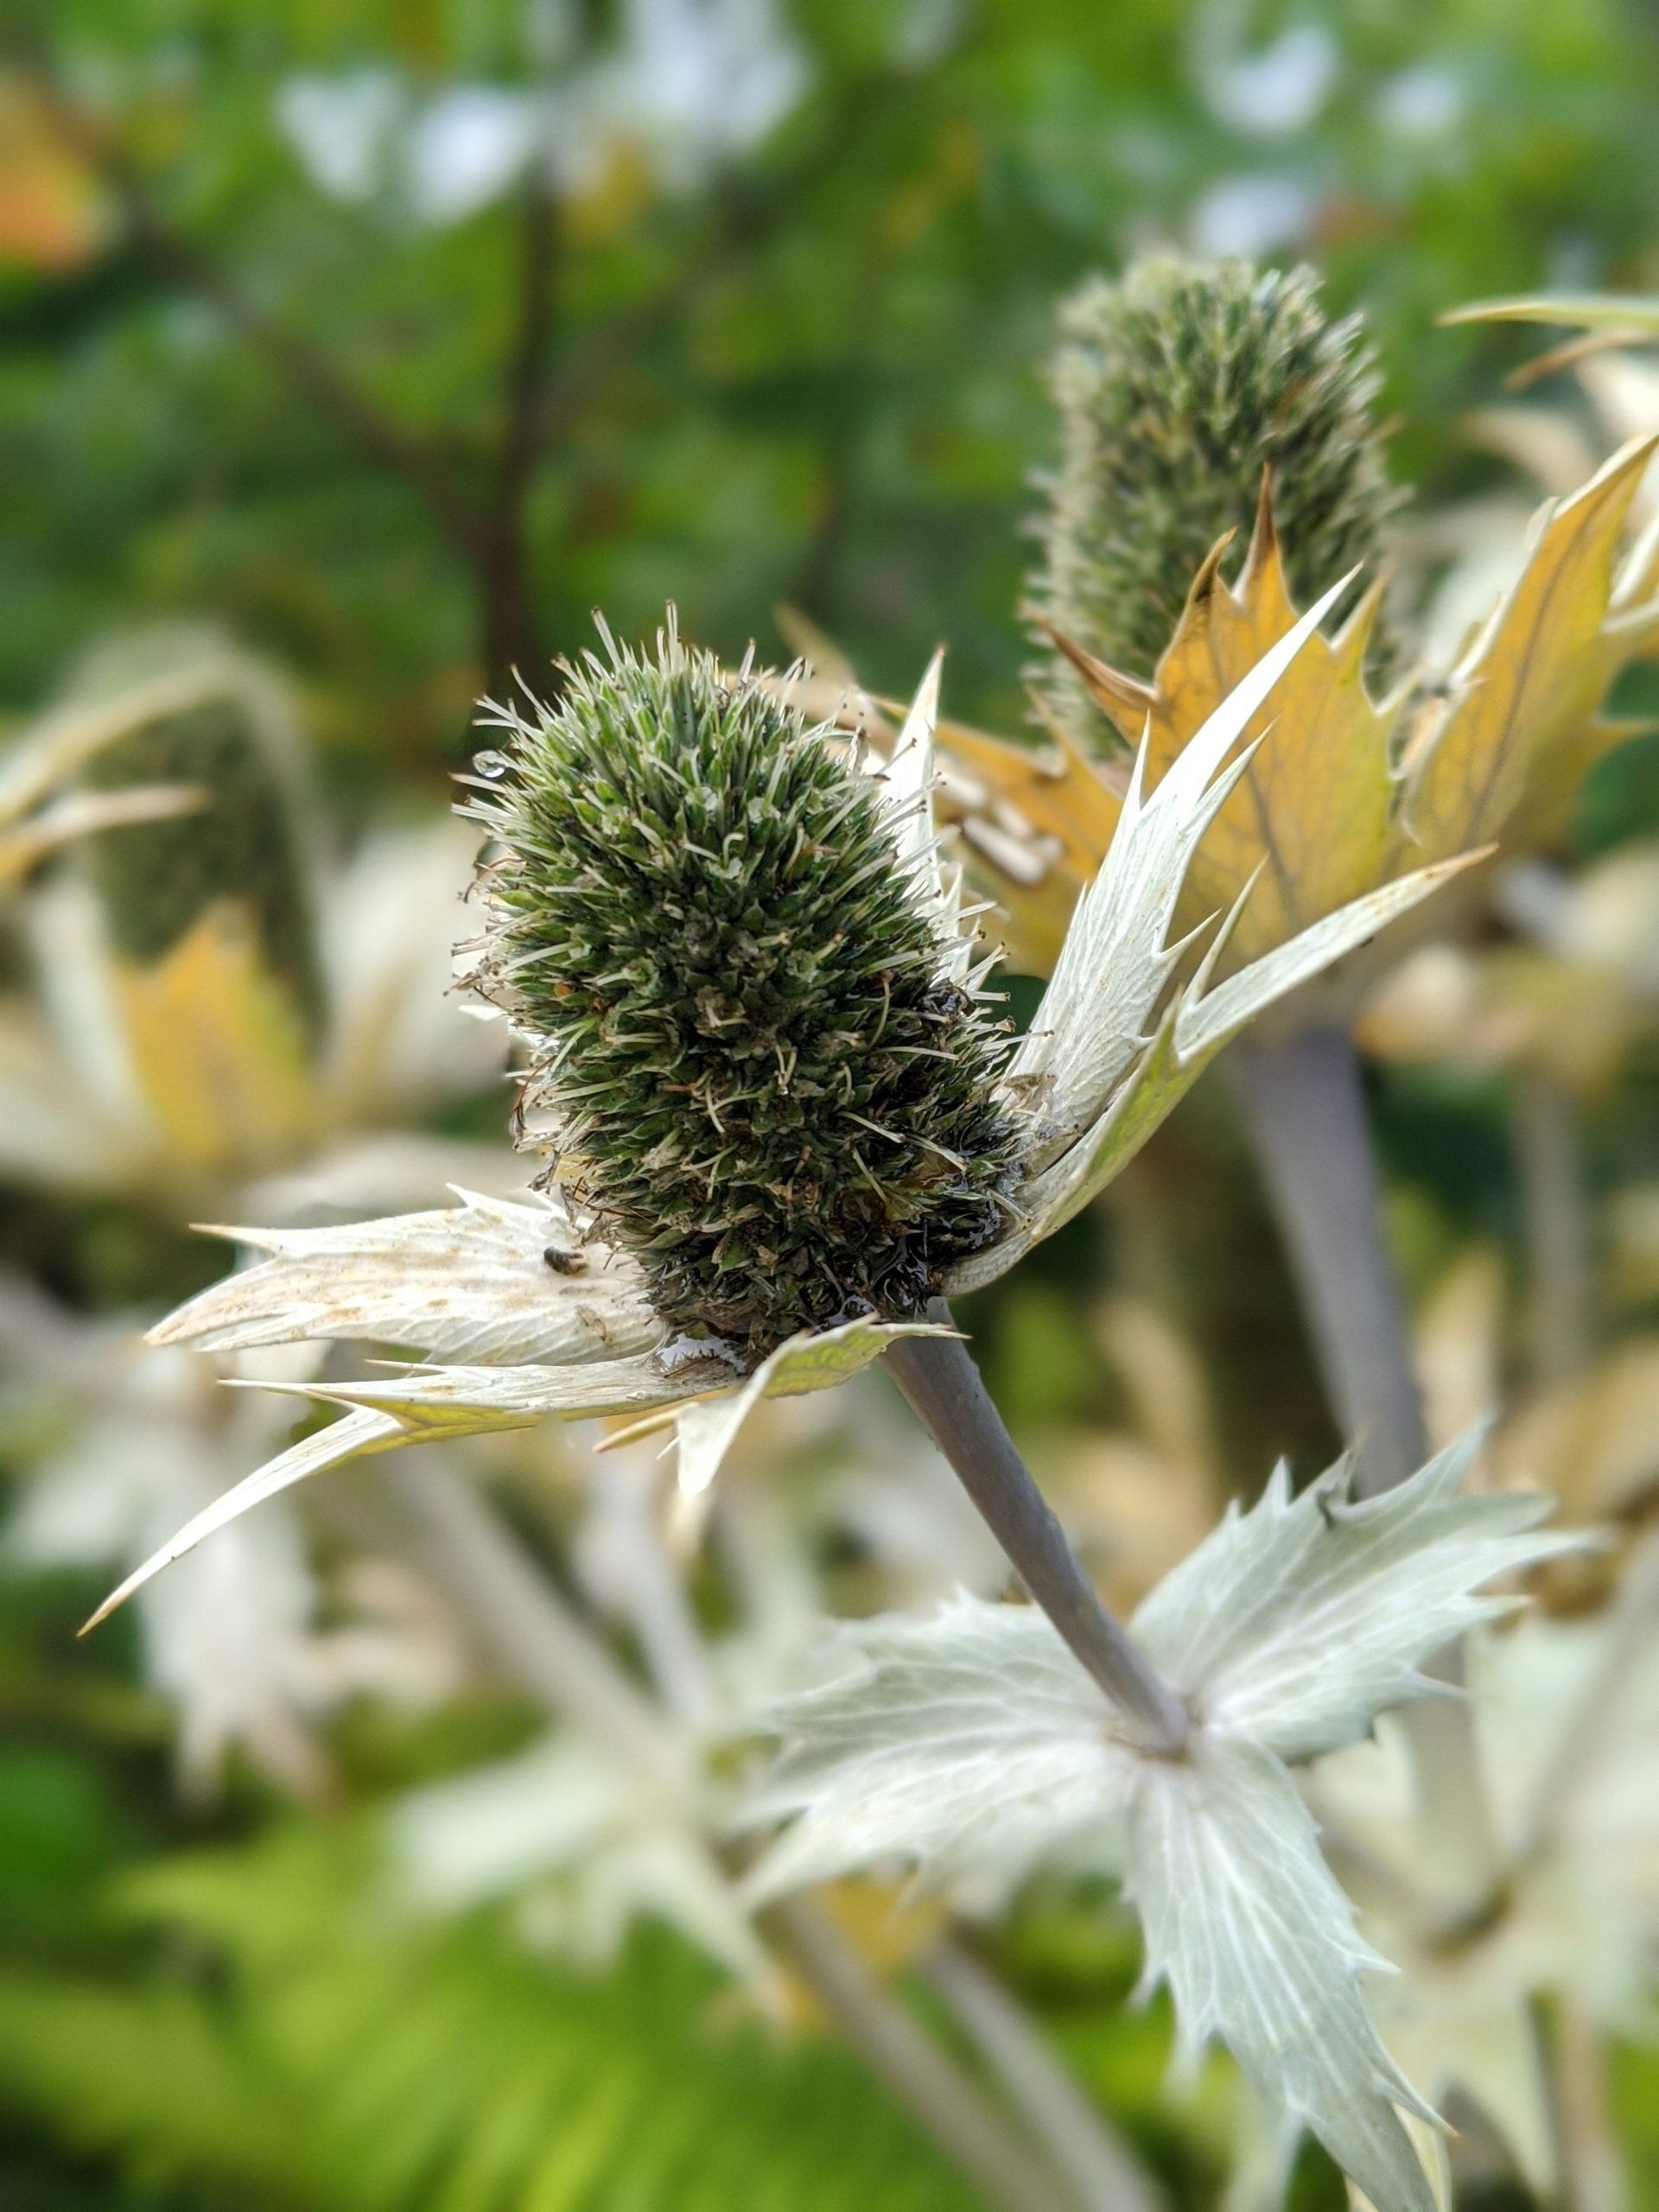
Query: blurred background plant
(347, 356)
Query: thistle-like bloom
(205, 1004)
(241, 848)
(1153, 514)
(778, 1120)
(765, 1068)
(1177, 387)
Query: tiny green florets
(759, 1076)
(1175, 388)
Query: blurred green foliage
(299, 2043)
(811, 379)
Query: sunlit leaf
(968, 1742)
(1258, 1944)
(1533, 679)
(1309, 820)
(973, 1747)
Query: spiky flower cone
(1176, 387)
(755, 1067)
(241, 847)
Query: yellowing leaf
(1629, 312)
(1531, 682)
(1034, 829)
(1311, 811)
(219, 1046)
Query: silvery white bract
(1566, 1722)
(585, 1845)
(75, 1112)
(246, 1646)
(974, 1744)
(559, 1326)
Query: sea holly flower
(1176, 389)
(212, 1009)
(1356, 785)
(972, 1745)
(742, 980)
(782, 1130)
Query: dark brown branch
(310, 370)
(510, 625)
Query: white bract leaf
(974, 1744)
(1248, 1926)
(1116, 959)
(1207, 1019)
(909, 778)
(360, 1433)
(969, 1742)
(426, 1406)
(437, 1401)
(1298, 1623)
(1190, 1034)
(565, 1817)
(483, 1280)
(907, 781)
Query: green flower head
(242, 847)
(755, 1057)
(1177, 387)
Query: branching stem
(945, 1388)
(1304, 1106)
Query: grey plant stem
(1105, 2174)
(1554, 1220)
(945, 1388)
(1304, 1104)
(1304, 1108)
(515, 1618)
